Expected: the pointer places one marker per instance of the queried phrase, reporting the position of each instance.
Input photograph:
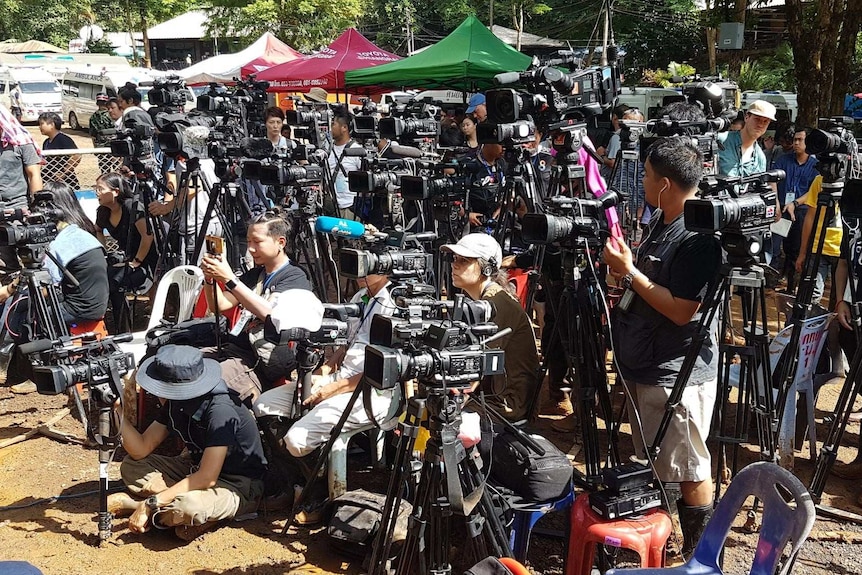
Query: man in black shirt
(250, 364)
(218, 477)
(58, 168)
(655, 322)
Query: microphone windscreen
(339, 227)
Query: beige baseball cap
(762, 108)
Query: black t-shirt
(693, 266)
(851, 242)
(217, 420)
(125, 232)
(89, 299)
(56, 164)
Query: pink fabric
(596, 184)
(13, 133)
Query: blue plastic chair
(783, 522)
(528, 514)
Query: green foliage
(773, 72)
(303, 24)
(752, 76)
(101, 46)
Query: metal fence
(79, 168)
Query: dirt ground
(48, 505)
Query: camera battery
(610, 505)
(627, 477)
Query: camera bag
(194, 332)
(531, 476)
(356, 517)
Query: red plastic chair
(645, 534)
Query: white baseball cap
(477, 245)
(762, 108)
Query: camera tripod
(629, 168)
(311, 249)
(449, 483)
(741, 277)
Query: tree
(823, 36)
(304, 24)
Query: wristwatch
(629, 278)
(152, 503)
(230, 284)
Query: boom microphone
(405, 151)
(507, 78)
(339, 227)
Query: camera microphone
(339, 227)
(507, 78)
(355, 152)
(405, 151)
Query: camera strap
(338, 159)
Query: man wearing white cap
(739, 153)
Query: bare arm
(34, 178)
(146, 240)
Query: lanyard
(270, 276)
(499, 177)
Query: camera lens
(821, 141)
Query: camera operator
(668, 278)
(274, 120)
(125, 221)
(739, 154)
(220, 474)
(332, 388)
(249, 363)
(477, 107)
(129, 102)
(476, 261)
(20, 175)
(341, 165)
(489, 175)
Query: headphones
(490, 268)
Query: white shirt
(339, 175)
(359, 331)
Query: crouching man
(220, 474)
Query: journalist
(488, 176)
(655, 322)
(476, 261)
(217, 477)
(340, 165)
(332, 386)
(250, 364)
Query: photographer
(126, 222)
(488, 171)
(274, 120)
(341, 165)
(476, 261)
(653, 332)
(218, 476)
(332, 388)
(249, 363)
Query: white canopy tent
(265, 52)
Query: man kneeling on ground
(220, 474)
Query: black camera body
(168, 93)
(133, 141)
(400, 256)
(571, 220)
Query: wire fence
(80, 167)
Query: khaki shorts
(683, 455)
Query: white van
(786, 108)
(81, 86)
(40, 92)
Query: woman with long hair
(476, 261)
(468, 128)
(126, 222)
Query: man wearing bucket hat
(220, 474)
(739, 153)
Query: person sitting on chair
(476, 261)
(220, 474)
(250, 364)
(332, 386)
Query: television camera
(411, 123)
(396, 254)
(574, 219)
(167, 95)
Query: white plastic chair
(189, 280)
(811, 341)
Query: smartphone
(215, 245)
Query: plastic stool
(337, 471)
(645, 534)
(528, 515)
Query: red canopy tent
(325, 69)
(275, 52)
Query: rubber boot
(692, 521)
(283, 472)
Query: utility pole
(491, 15)
(606, 27)
(408, 9)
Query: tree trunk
(846, 46)
(808, 29)
(711, 39)
(145, 34)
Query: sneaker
(567, 424)
(312, 513)
(24, 387)
(121, 504)
(562, 408)
(192, 532)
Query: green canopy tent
(466, 59)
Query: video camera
(575, 218)
(38, 226)
(71, 360)
(365, 120)
(744, 220)
(378, 177)
(833, 144)
(168, 93)
(133, 141)
(448, 355)
(401, 255)
(334, 328)
(410, 122)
